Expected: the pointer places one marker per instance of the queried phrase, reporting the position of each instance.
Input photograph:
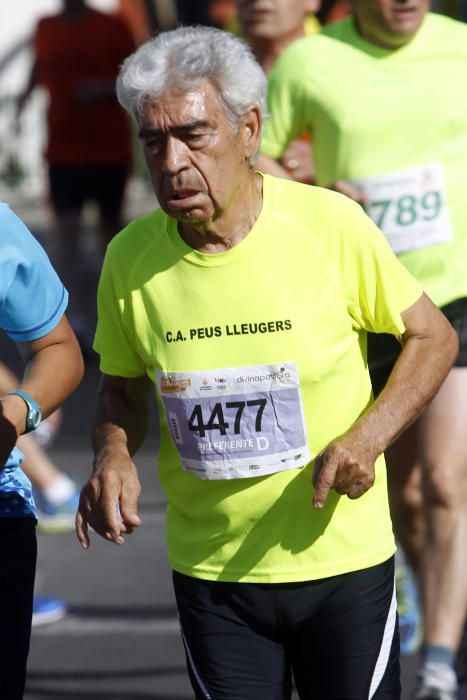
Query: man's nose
(175, 156)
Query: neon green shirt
(302, 287)
(372, 111)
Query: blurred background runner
(364, 91)
(77, 55)
(270, 27)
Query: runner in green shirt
(245, 301)
(382, 96)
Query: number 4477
(217, 420)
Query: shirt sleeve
(114, 340)
(32, 297)
(377, 286)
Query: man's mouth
(181, 198)
(182, 194)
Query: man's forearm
(121, 421)
(272, 167)
(109, 501)
(416, 377)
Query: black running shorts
(18, 551)
(72, 186)
(383, 349)
(338, 637)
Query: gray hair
(184, 58)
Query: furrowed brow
(146, 132)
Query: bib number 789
(406, 210)
(217, 421)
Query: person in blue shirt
(32, 306)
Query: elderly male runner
(381, 93)
(246, 301)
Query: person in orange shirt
(77, 55)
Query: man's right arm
(109, 500)
(269, 165)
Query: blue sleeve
(32, 297)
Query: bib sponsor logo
(170, 385)
(272, 377)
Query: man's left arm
(53, 369)
(429, 349)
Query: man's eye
(195, 139)
(152, 144)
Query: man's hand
(347, 465)
(429, 348)
(109, 501)
(297, 159)
(349, 189)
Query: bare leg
(405, 495)
(37, 466)
(69, 261)
(443, 450)
(108, 227)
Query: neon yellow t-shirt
(301, 288)
(371, 111)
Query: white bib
(409, 206)
(236, 422)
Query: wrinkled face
(271, 19)
(389, 23)
(195, 159)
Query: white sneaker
(436, 681)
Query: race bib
(236, 422)
(409, 206)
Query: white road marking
(75, 625)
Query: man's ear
(251, 127)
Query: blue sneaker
(408, 608)
(46, 610)
(56, 518)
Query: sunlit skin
(272, 25)
(199, 166)
(390, 24)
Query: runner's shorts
(72, 186)
(338, 637)
(383, 349)
(18, 551)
